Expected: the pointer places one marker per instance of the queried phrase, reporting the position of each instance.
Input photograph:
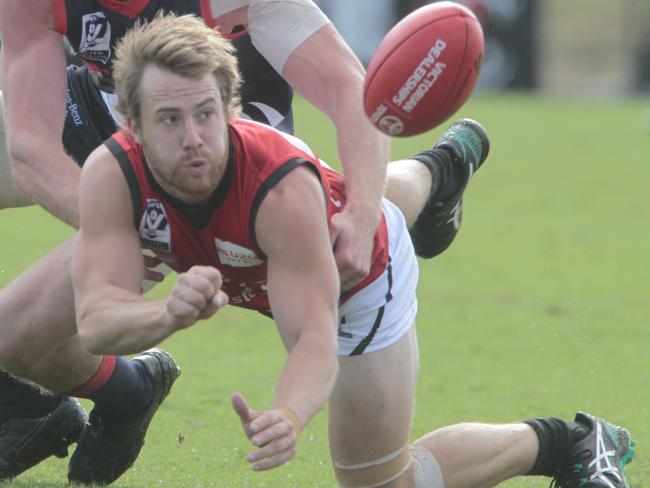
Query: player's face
(183, 131)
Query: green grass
(539, 308)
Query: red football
(424, 69)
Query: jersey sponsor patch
(232, 254)
(155, 232)
(73, 113)
(95, 42)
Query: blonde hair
(183, 45)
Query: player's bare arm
(108, 266)
(34, 84)
(291, 229)
(326, 72)
(320, 66)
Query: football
(424, 70)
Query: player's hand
(196, 295)
(271, 431)
(353, 242)
(150, 274)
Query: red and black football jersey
(221, 233)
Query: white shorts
(380, 314)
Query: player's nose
(191, 136)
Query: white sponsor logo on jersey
(232, 254)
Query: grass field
(541, 307)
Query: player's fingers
(266, 420)
(350, 272)
(220, 299)
(191, 295)
(182, 312)
(197, 281)
(151, 261)
(352, 278)
(335, 229)
(276, 431)
(151, 275)
(284, 452)
(278, 445)
(241, 408)
(209, 273)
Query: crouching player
(241, 212)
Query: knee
(413, 466)
(387, 471)
(425, 469)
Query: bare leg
(38, 335)
(371, 407)
(370, 419)
(408, 185)
(10, 196)
(481, 455)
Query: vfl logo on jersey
(232, 254)
(95, 42)
(155, 232)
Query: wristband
(291, 416)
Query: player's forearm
(49, 178)
(364, 153)
(308, 376)
(123, 323)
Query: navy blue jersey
(93, 27)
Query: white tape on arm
(277, 28)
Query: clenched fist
(196, 295)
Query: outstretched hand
(272, 431)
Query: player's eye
(169, 120)
(206, 114)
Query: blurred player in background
(241, 211)
(55, 117)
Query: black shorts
(266, 97)
(88, 122)
(263, 88)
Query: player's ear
(134, 129)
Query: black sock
(446, 177)
(19, 399)
(555, 439)
(120, 389)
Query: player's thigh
(10, 196)
(37, 307)
(371, 407)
